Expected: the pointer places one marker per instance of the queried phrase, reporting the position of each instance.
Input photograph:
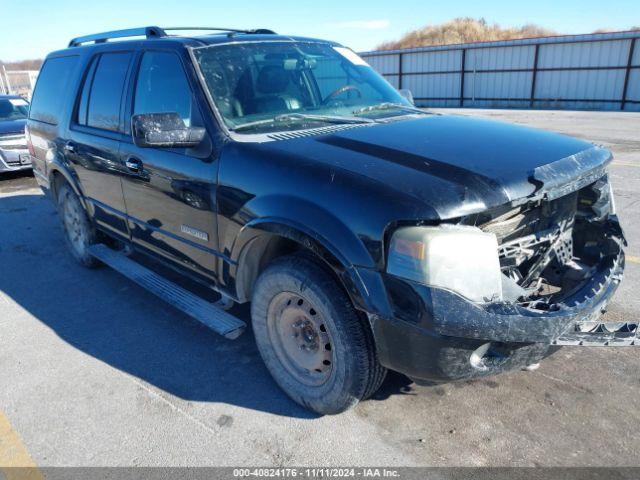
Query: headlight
(458, 258)
(612, 199)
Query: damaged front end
(495, 290)
(559, 254)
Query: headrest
(272, 79)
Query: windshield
(13, 109)
(297, 85)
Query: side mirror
(406, 93)
(164, 130)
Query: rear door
(170, 192)
(50, 105)
(95, 134)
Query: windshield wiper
(389, 106)
(295, 117)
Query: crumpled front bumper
(456, 317)
(434, 333)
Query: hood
(12, 127)
(457, 165)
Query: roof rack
(156, 32)
(259, 31)
(149, 32)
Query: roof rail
(149, 32)
(259, 31)
(156, 32)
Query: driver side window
(162, 86)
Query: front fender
(311, 220)
(318, 231)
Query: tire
(298, 305)
(79, 233)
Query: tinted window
(53, 81)
(81, 117)
(162, 86)
(13, 109)
(103, 109)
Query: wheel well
(57, 181)
(264, 249)
(259, 253)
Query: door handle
(134, 164)
(69, 147)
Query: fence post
(400, 55)
(534, 75)
(462, 69)
(627, 73)
(6, 77)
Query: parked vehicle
(13, 145)
(366, 233)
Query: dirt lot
(96, 372)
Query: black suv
(366, 233)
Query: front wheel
(79, 233)
(311, 339)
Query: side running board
(196, 307)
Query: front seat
(271, 87)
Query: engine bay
(548, 249)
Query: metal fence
(18, 82)
(594, 72)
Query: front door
(170, 192)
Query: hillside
(464, 30)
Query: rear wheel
(311, 339)
(79, 233)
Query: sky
(32, 28)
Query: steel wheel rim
(74, 227)
(300, 338)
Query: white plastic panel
(636, 53)
(585, 54)
(437, 85)
(633, 89)
(383, 63)
(580, 84)
(498, 85)
(445, 61)
(499, 58)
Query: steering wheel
(344, 88)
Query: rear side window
(162, 86)
(101, 95)
(54, 80)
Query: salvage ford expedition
(366, 233)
